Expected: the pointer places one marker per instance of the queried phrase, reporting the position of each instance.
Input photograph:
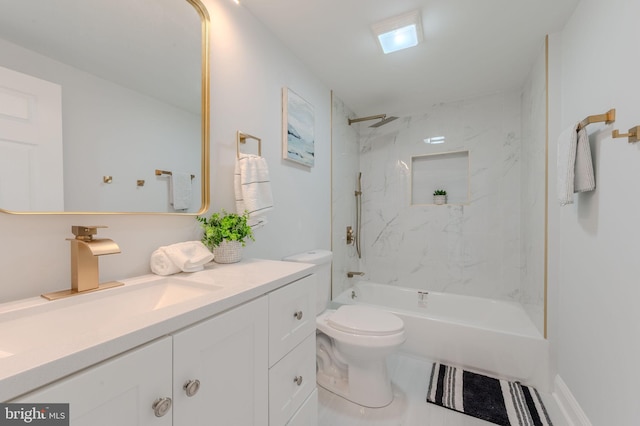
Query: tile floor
(410, 379)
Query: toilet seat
(364, 320)
(356, 337)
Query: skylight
(399, 32)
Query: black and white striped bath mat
(498, 401)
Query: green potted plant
(439, 196)
(225, 234)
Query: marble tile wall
(472, 248)
(345, 168)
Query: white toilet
(352, 342)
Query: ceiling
(470, 48)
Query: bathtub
(490, 336)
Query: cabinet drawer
(292, 316)
(291, 381)
(307, 415)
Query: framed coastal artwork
(298, 122)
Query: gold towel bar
(242, 138)
(608, 118)
(167, 172)
(632, 135)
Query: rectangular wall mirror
(95, 97)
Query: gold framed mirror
(96, 98)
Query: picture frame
(298, 129)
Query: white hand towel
(253, 188)
(567, 143)
(189, 256)
(161, 264)
(575, 167)
(584, 179)
(180, 190)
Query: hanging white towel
(575, 167)
(188, 256)
(567, 143)
(180, 190)
(584, 179)
(253, 188)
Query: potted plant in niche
(439, 196)
(225, 234)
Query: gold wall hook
(107, 179)
(632, 135)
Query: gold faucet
(84, 262)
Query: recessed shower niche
(447, 171)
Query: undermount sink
(50, 322)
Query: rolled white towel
(189, 256)
(161, 264)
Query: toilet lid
(360, 319)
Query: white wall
(248, 70)
(595, 319)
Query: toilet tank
(322, 258)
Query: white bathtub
(491, 336)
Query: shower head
(382, 117)
(384, 121)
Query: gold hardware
(167, 172)
(350, 236)
(107, 179)
(140, 182)
(242, 138)
(84, 262)
(371, 117)
(632, 135)
(608, 118)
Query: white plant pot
(228, 252)
(439, 199)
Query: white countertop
(65, 354)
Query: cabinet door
(307, 415)
(292, 316)
(228, 356)
(291, 381)
(120, 391)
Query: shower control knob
(191, 387)
(297, 380)
(161, 406)
(298, 315)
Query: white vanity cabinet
(120, 391)
(221, 362)
(292, 354)
(252, 364)
(227, 356)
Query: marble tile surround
(492, 246)
(471, 248)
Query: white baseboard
(568, 405)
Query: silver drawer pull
(191, 387)
(297, 380)
(161, 406)
(298, 315)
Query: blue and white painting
(298, 129)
